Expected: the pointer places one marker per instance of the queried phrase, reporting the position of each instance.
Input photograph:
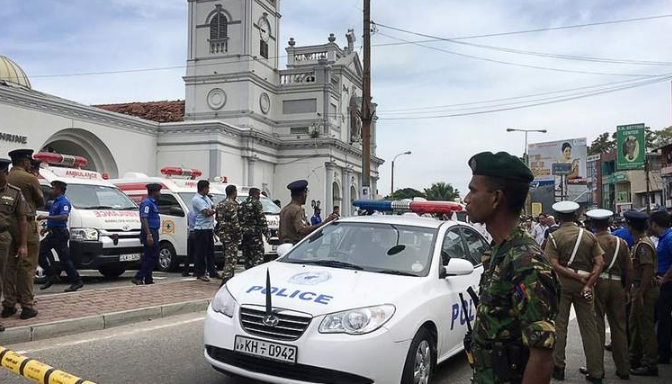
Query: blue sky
(49, 37)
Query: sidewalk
(68, 313)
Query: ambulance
(104, 223)
(178, 189)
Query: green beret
(502, 165)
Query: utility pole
(366, 103)
(647, 166)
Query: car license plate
(266, 349)
(133, 257)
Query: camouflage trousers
(253, 249)
(230, 254)
(487, 376)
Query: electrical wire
(519, 64)
(601, 92)
(524, 52)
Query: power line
(561, 28)
(426, 109)
(524, 52)
(645, 83)
(519, 64)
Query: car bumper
(94, 254)
(335, 358)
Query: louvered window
(218, 27)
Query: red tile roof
(159, 111)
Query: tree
(663, 137)
(441, 192)
(603, 143)
(405, 193)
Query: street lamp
(393, 160)
(526, 131)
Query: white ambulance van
(178, 189)
(104, 223)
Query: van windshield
(269, 206)
(98, 197)
(188, 197)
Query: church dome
(12, 74)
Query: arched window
(218, 27)
(219, 40)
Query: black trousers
(191, 239)
(57, 239)
(150, 257)
(664, 325)
(204, 257)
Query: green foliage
(441, 192)
(405, 193)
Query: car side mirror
(176, 211)
(457, 267)
(284, 249)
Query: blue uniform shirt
(199, 203)
(191, 220)
(665, 252)
(625, 235)
(315, 220)
(60, 207)
(150, 211)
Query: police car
(369, 299)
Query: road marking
(100, 338)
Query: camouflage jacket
(228, 218)
(519, 296)
(252, 217)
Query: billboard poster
(630, 147)
(562, 154)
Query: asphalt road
(171, 351)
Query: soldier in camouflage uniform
(514, 332)
(229, 230)
(255, 228)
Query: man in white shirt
(539, 229)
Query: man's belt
(580, 272)
(30, 218)
(609, 276)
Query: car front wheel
(421, 359)
(167, 258)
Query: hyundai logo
(126, 228)
(271, 321)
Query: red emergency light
(176, 171)
(60, 159)
(402, 206)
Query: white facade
(245, 118)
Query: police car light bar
(59, 159)
(401, 206)
(221, 179)
(176, 171)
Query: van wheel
(421, 359)
(112, 271)
(167, 258)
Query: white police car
(371, 299)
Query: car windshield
(98, 197)
(188, 197)
(269, 206)
(372, 247)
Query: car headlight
(357, 321)
(84, 234)
(224, 302)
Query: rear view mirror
(458, 267)
(284, 249)
(176, 211)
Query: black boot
(644, 371)
(75, 287)
(559, 373)
(50, 281)
(583, 370)
(593, 380)
(28, 313)
(8, 312)
(137, 281)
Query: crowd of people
(632, 286)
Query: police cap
(153, 187)
(59, 183)
(501, 165)
(635, 216)
(599, 214)
(298, 186)
(21, 154)
(35, 164)
(4, 164)
(566, 207)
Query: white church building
(243, 117)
